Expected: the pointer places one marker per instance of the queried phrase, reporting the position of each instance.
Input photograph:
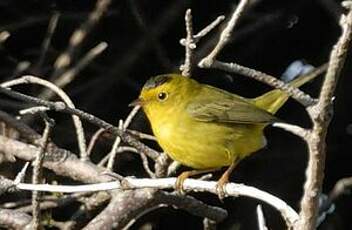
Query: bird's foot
(179, 182)
(220, 186)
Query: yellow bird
(206, 128)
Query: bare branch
(230, 189)
(93, 140)
(261, 218)
(189, 45)
(122, 126)
(37, 170)
(13, 219)
(294, 129)
(28, 79)
(59, 106)
(321, 114)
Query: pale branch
(94, 140)
(62, 107)
(209, 224)
(231, 189)
(6, 185)
(113, 152)
(189, 44)
(28, 79)
(261, 218)
(37, 170)
(191, 40)
(20, 176)
(123, 125)
(120, 149)
(208, 28)
(294, 129)
(341, 187)
(321, 114)
(13, 219)
(141, 135)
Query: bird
(206, 128)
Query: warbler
(206, 128)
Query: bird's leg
(183, 176)
(224, 179)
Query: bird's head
(164, 94)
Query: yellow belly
(206, 145)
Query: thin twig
(93, 140)
(28, 79)
(122, 126)
(37, 171)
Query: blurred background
(143, 40)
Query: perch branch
(230, 189)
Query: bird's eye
(162, 96)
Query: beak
(137, 102)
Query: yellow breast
(205, 145)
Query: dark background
(143, 38)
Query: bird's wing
(228, 110)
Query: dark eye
(162, 96)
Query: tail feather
(273, 100)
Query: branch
(13, 219)
(71, 166)
(210, 61)
(321, 114)
(230, 189)
(28, 79)
(59, 106)
(37, 170)
(189, 44)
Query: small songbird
(206, 128)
